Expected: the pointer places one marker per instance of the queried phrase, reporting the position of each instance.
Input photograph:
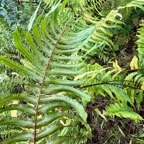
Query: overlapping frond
(50, 61)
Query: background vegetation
(71, 71)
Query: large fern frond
(50, 61)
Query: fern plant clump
(46, 93)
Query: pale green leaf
(33, 17)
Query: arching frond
(51, 62)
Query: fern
(51, 106)
(140, 44)
(122, 111)
(103, 29)
(50, 58)
(101, 33)
(124, 90)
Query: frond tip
(121, 111)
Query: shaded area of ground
(114, 131)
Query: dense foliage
(71, 71)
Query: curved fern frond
(51, 62)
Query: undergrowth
(76, 75)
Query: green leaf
(48, 131)
(20, 123)
(19, 68)
(77, 92)
(22, 96)
(24, 108)
(46, 108)
(23, 137)
(78, 107)
(25, 52)
(58, 140)
(50, 118)
(53, 8)
(33, 17)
